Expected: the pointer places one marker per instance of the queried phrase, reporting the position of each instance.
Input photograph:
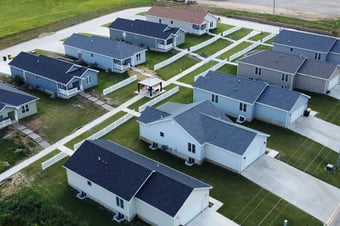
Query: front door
(76, 85)
(11, 115)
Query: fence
(213, 68)
(5, 123)
(170, 60)
(231, 30)
(53, 160)
(159, 98)
(268, 37)
(106, 130)
(119, 85)
(205, 43)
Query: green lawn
(105, 80)
(135, 106)
(270, 41)
(239, 34)
(221, 28)
(153, 57)
(234, 50)
(57, 118)
(176, 67)
(213, 48)
(93, 130)
(184, 96)
(300, 152)
(229, 69)
(121, 95)
(15, 146)
(262, 47)
(260, 36)
(36, 13)
(243, 201)
(192, 40)
(189, 78)
(328, 108)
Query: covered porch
(150, 86)
(70, 90)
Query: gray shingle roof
(143, 27)
(14, 97)
(133, 174)
(318, 68)
(152, 114)
(238, 88)
(204, 122)
(279, 98)
(104, 46)
(305, 40)
(48, 67)
(284, 62)
(336, 47)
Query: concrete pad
(93, 99)
(209, 217)
(19, 127)
(44, 144)
(308, 193)
(335, 92)
(99, 102)
(318, 130)
(27, 131)
(107, 107)
(34, 136)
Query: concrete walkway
(318, 130)
(312, 195)
(96, 101)
(32, 135)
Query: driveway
(312, 195)
(318, 130)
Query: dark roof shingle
(145, 28)
(284, 62)
(48, 67)
(319, 69)
(133, 174)
(14, 97)
(305, 40)
(231, 86)
(104, 46)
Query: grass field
(191, 40)
(221, 28)
(244, 202)
(239, 34)
(57, 118)
(213, 48)
(259, 36)
(189, 78)
(229, 69)
(153, 57)
(234, 50)
(176, 67)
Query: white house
(192, 21)
(198, 132)
(247, 99)
(130, 184)
(15, 104)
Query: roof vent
(235, 89)
(92, 41)
(157, 164)
(239, 81)
(38, 60)
(98, 158)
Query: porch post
(138, 87)
(160, 84)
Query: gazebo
(151, 86)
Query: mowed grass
(243, 201)
(57, 118)
(213, 48)
(260, 36)
(328, 108)
(239, 34)
(221, 28)
(176, 67)
(153, 57)
(234, 50)
(189, 78)
(93, 130)
(300, 152)
(121, 95)
(36, 13)
(192, 40)
(229, 69)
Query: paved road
(310, 9)
(318, 130)
(312, 195)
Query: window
(192, 148)
(91, 54)
(119, 202)
(317, 56)
(214, 98)
(243, 107)
(211, 24)
(88, 80)
(24, 108)
(161, 134)
(138, 56)
(89, 183)
(257, 71)
(284, 77)
(291, 49)
(171, 22)
(160, 21)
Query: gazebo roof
(152, 81)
